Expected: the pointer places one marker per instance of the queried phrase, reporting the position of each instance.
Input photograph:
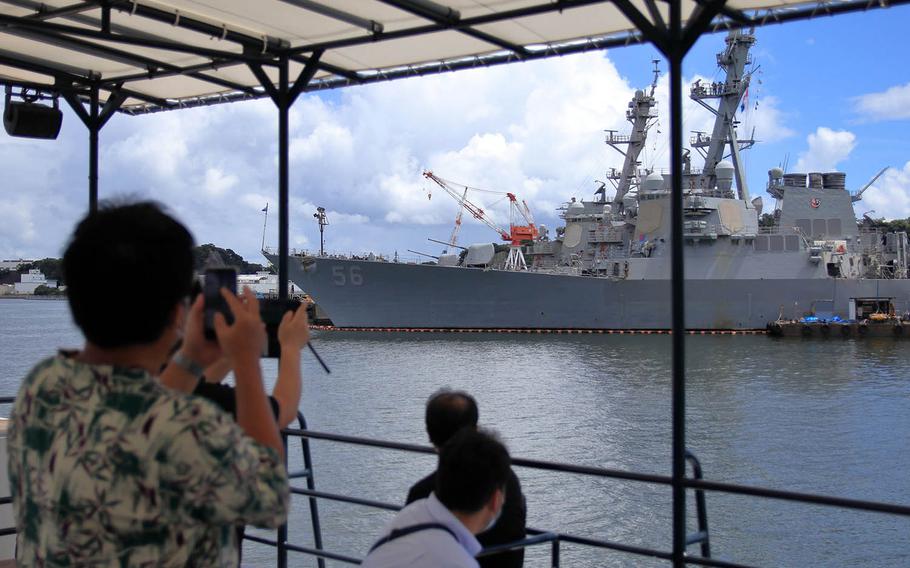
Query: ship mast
(639, 114)
(729, 93)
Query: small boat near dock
(877, 325)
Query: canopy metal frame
(94, 35)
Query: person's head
(472, 475)
(128, 269)
(448, 412)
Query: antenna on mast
(266, 220)
(323, 221)
(656, 63)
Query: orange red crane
(517, 235)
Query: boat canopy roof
(153, 55)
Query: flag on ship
(266, 208)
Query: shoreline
(30, 297)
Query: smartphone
(271, 310)
(215, 280)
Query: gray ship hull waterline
(608, 267)
(376, 294)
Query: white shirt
(428, 548)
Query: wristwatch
(188, 365)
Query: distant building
(264, 284)
(29, 282)
(6, 289)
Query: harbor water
(818, 416)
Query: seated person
(447, 413)
(439, 531)
(108, 467)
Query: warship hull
(376, 294)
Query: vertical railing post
(284, 105)
(94, 126)
(94, 120)
(283, 529)
(554, 554)
(675, 53)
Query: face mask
(495, 518)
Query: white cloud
(891, 104)
(889, 196)
(769, 121)
(827, 148)
(218, 183)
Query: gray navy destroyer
(608, 267)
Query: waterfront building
(265, 284)
(28, 283)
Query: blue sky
(833, 93)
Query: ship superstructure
(608, 267)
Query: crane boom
(476, 211)
(453, 238)
(859, 194)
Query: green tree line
(204, 256)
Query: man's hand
(294, 330)
(241, 341)
(195, 345)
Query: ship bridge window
(819, 227)
(791, 242)
(761, 243)
(804, 226)
(834, 228)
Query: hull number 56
(342, 277)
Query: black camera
(215, 280)
(271, 310)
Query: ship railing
(696, 483)
(368, 256)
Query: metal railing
(536, 536)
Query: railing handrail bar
(345, 499)
(541, 538)
(304, 550)
(565, 537)
(522, 462)
(814, 498)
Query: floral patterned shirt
(109, 468)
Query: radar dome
(724, 173)
(775, 173)
(653, 182)
(724, 166)
(576, 207)
(639, 94)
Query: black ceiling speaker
(32, 120)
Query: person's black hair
(448, 412)
(126, 268)
(472, 466)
